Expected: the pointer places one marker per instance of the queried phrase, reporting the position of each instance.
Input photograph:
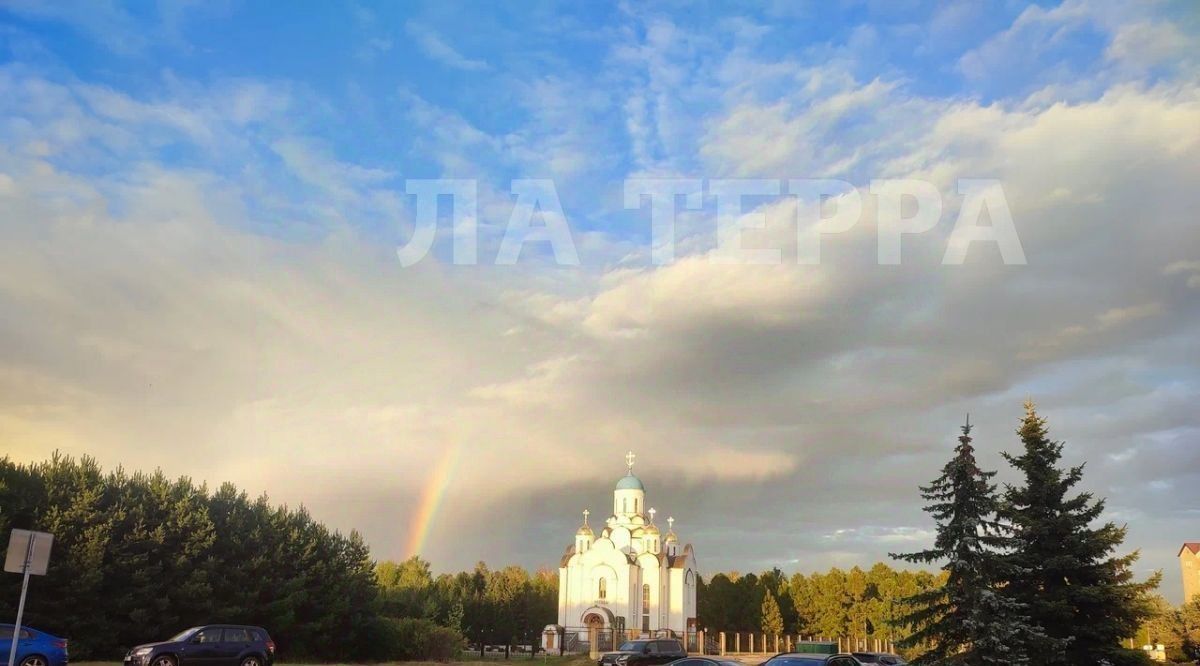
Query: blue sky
(202, 203)
(366, 80)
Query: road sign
(28, 555)
(28, 549)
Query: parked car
(706, 661)
(211, 645)
(34, 648)
(645, 652)
(811, 659)
(880, 658)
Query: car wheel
(34, 660)
(163, 660)
(252, 661)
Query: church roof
(567, 555)
(680, 561)
(630, 482)
(1192, 546)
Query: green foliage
(966, 621)
(837, 603)
(139, 557)
(1177, 629)
(772, 619)
(501, 607)
(416, 639)
(1062, 568)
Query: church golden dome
(584, 530)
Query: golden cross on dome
(586, 513)
(652, 512)
(629, 458)
(670, 523)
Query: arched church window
(602, 592)
(635, 506)
(689, 577)
(624, 505)
(645, 608)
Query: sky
(201, 205)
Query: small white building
(630, 577)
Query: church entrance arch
(597, 617)
(599, 625)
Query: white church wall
(675, 590)
(564, 594)
(630, 502)
(627, 534)
(650, 574)
(620, 538)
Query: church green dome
(630, 482)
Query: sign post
(28, 555)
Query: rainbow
(431, 500)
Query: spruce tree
(772, 618)
(1082, 597)
(966, 621)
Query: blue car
(34, 648)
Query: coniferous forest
(138, 557)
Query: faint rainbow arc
(431, 499)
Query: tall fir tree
(1082, 597)
(772, 618)
(967, 621)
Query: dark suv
(645, 652)
(212, 645)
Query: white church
(631, 577)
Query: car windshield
(793, 660)
(634, 646)
(184, 634)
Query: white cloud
(1148, 43)
(158, 316)
(432, 45)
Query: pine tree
(772, 618)
(1083, 598)
(966, 621)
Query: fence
(745, 642)
(595, 640)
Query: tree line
(837, 604)
(1176, 628)
(138, 557)
(507, 606)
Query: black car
(212, 645)
(880, 658)
(807, 659)
(645, 652)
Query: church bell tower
(629, 498)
